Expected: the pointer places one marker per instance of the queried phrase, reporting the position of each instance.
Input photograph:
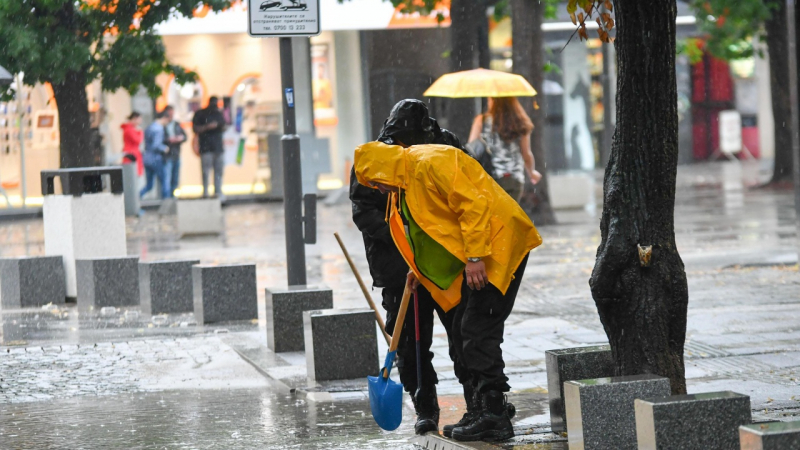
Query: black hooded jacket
(410, 124)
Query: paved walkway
(739, 247)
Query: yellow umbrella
(480, 83)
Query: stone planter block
(568, 364)
(285, 315)
(770, 436)
(224, 292)
(341, 344)
(166, 286)
(84, 227)
(600, 414)
(32, 281)
(107, 282)
(199, 216)
(707, 421)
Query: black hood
(409, 123)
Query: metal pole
(791, 59)
(21, 107)
(292, 175)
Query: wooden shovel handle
(398, 325)
(363, 287)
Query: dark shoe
(493, 423)
(473, 401)
(427, 409)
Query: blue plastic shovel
(386, 396)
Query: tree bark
(643, 309)
(528, 58)
(73, 121)
(465, 20)
(779, 86)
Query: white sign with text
(272, 18)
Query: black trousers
(476, 331)
(407, 350)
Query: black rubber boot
(427, 409)
(473, 402)
(493, 423)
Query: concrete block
(340, 344)
(32, 281)
(86, 227)
(107, 282)
(166, 286)
(770, 436)
(285, 315)
(600, 414)
(199, 216)
(224, 292)
(568, 364)
(708, 421)
(571, 190)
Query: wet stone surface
(738, 245)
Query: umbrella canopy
(5, 77)
(480, 83)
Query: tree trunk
(642, 305)
(465, 20)
(73, 120)
(779, 85)
(527, 53)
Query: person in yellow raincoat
(466, 241)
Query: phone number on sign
(288, 28)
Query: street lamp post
(791, 59)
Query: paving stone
(199, 216)
(340, 344)
(85, 227)
(107, 282)
(708, 421)
(600, 414)
(770, 436)
(224, 292)
(32, 281)
(285, 315)
(166, 286)
(566, 364)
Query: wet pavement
(165, 382)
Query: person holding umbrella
(467, 242)
(504, 130)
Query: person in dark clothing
(209, 124)
(407, 124)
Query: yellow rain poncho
(456, 203)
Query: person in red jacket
(132, 136)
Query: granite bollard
(568, 364)
(224, 292)
(166, 286)
(341, 344)
(285, 315)
(107, 282)
(600, 414)
(770, 436)
(708, 421)
(32, 281)
(199, 216)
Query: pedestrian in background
(155, 151)
(209, 124)
(175, 137)
(506, 131)
(132, 136)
